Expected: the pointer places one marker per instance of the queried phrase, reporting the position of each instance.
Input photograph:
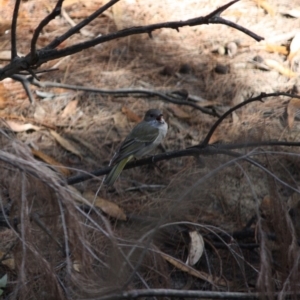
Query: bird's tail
(116, 171)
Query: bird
(143, 138)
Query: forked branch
(36, 58)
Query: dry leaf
(293, 109)
(277, 49)
(235, 118)
(279, 68)
(266, 203)
(71, 2)
(51, 161)
(185, 268)
(68, 145)
(17, 127)
(120, 120)
(196, 248)
(294, 46)
(4, 95)
(175, 123)
(77, 266)
(88, 145)
(70, 109)
(5, 24)
(108, 207)
(179, 113)
(21, 119)
(39, 113)
(294, 12)
(77, 195)
(118, 13)
(266, 6)
(6, 55)
(83, 31)
(9, 262)
(216, 137)
(3, 102)
(131, 116)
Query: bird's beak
(160, 119)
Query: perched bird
(143, 138)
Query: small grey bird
(143, 138)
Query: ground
(218, 66)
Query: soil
(215, 64)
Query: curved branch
(219, 121)
(26, 86)
(48, 53)
(57, 41)
(14, 30)
(55, 12)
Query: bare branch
(80, 25)
(14, 30)
(136, 294)
(46, 54)
(55, 12)
(26, 85)
(137, 92)
(216, 19)
(202, 149)
(220, 120)
(37, 57)
(258, 98)
(192, 151)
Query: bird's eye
(151, 115)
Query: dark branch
(48, 53)
(14, 30)
(137, 92)
(257, 98)
(80, 25)
(26, 85)
(55, 12)
(218, 20)
(192, 151)
(220, 120)
(201, 149)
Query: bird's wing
(140, 137)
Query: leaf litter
(225, 202)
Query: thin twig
(137, 92)
(219, 121)
(37, 57)
(55, 12)
(50, 54)
(83, 31)
(80, 25)
(26, 86)
(14, 30)
(135, 294)
(36, 218)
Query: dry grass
(61, 249)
